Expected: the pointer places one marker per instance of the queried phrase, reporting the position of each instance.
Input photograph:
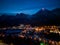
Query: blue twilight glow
(27, 6)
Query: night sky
(27, 6)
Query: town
(36, 33)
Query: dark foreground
(29, 38)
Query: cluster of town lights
(54, 29)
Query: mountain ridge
(42, 17)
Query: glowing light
(42, 44)
(43, 9)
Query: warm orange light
(21, 36)
(34, 38)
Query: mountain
(22, 18)
(10, 20)
(56, 11)
(44, 16)
(45, 13)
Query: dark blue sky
(27, 6)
